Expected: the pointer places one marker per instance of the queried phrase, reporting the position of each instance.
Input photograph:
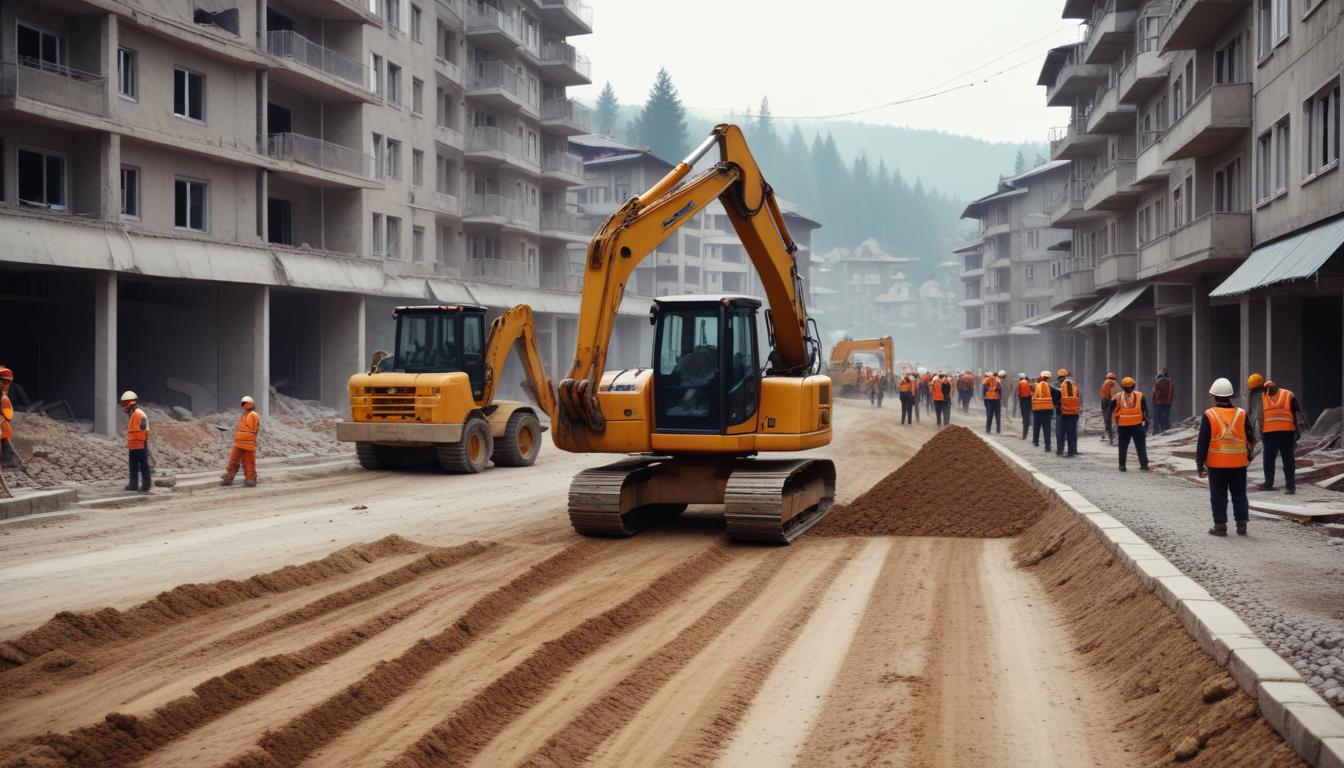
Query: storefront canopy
(1292, 258)
(1114, 304)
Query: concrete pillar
(105, 353)
(1201, 346)
(342, 345)
(1284, 344)
(109, 40)
(244, 345)
(1160, 339)
(109, 190)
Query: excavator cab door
(706, 370)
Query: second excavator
(844, 371)
(707, 407)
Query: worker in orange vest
(1226, 439)
(965, 388)
(1042, 406)
(991, 392)
(906, 390)
(1107, 393)
(1131, 419)
(923, 391)
(1281, 419)
(8, 456)
(1024, 402)
(244, 450)
(940, 391)
(137, 442)
(1069, 406)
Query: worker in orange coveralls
(8, 456)
(244, 450)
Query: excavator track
(772, 501)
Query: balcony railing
(560, 221)
(580, 9)
(450, 70)
(56, 85)
(495, 74)
(566, 55)
(567, 110)
(500, 271)
(317, 153)
(486, 138)
(558, 281)
(511, 209)
(487, 18)
(563, 162)
(289, 44)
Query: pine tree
(608, 109)
(661, 125)
(1020, 164)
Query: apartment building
(205, 200)
(855, 282)
(1201, 137)
(1008, 269)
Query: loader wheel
(373, 456)
(471, 454)
(521, 442)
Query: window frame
(417, 22)
(139, 179)
(62, 45)
(393, 95)
(417, 167)
(45, 154)
(392, 229)
(376, 234)
(417, 97)
(417, 244)
(130, 55)
(186, 96)
(393, 159)
(1322, 105)
(205, 204)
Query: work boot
(1122, 468)
(1241, 527)
(1290, 491)
(131, 487)
(250, 483)
(1218, 529)
(145, 489)
(226, 479)
(1265, 486)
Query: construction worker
(965, 387)
(8, 456)
(991, 392)
(880, 387)
(1042, 406)
(244, 449)
(1107, 393)
(1280, 418)
(1163, 395)
(1224, 452)
(1024, 402)
(1131, 418)
(923, 392)
(907, 394)
(940, 391)
(137, 442)
(1069, 408)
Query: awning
(1050, 319)
(1021, 330)
(1078, 317)
(450, 292)
(1114, 305)
(1292, 258)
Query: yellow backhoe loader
(434, 397)
(846, 373)
(707, 406)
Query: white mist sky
(836, 56)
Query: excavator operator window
(473, 351)
(743, 365)
(687, 378)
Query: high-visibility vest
(966, 382)
(1023, 388)
(1276, 413)
(991, 387)
(1227, 439)
(1070, 403)
(924, 379)
(1128, 408)
(1108, 389)
(6, 416)
(245, 434)
(938, 390)
(1041, 399)
(137, 430)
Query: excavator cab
(706, 364)
(442, 339)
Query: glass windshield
(428, 343)
(687, 370)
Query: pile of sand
(955, 486)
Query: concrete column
(342, 345)
(109, 40)
(1284, 347)
(105, 353)
(1201, 346)
(1160, 337)
(1244, 364)
(245, 345)
(109, 191)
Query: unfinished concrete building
(200, 203)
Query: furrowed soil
(943, 615)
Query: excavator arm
(515, 328)
(643, 222)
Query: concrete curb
(1310, 725)
(36, 502)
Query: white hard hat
(1003, 373)
(1221, 388)
(922, 369)
(1021, 375)
(248, 399)
(1045, 374)
(129, 395)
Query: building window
(376, 72)
(1029, 272)
(417, 168)
(418, 243)
(393, 237)
(417, 96)
(1227, 188)
(130, 192)
(1031, 310)
(189, 206)
(376, 230)
(443, 179)
(1264, 166)
(1272, 21)
(188, 94)
(393, 84)
(1229, 63)
(1281, 157)
(127, 74)
(1056, 269)
(1177, 207)
(416, 18)
(42, 179)
(1320, 120)
(392, 13)
(378, 162)
(39, 48)
(393, 169)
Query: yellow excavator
(707, 406)
(434, 397)
(846, 372)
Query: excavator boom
(515, 329)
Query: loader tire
(471, 454)
(373, 456)
(520, 443)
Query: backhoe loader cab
(441, 340)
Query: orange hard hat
(1110, 375)
(1127, 382)
(1063, 372)
(6, 374)
(1254, 380)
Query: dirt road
(485, 632)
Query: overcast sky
(836, 56)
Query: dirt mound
(1179, 704)
(955, 486)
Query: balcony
(1115, 269)
(448, 136)
(1220, 116)
(490, 28)
(451, 9)
(497, 85)
(1197, 23)
(317, 70)
(974, 301)
(1074, 79)
(973, 274)
(501, 211)
(1213, 242)
(1109, 115)
(1145, 74)
(560, 281)
(323, 155)
(1066, 209)
(565, 117)
(1150, 168)
(563, 167)
(563, 63)
(1111, 190)
(54, 86)
(501, 271)
(448, 70)
(487, 144)
(995, 230)
(1073, 288)
(1071, 143)
(445, 202)
(568, 17)
(562, 225)
(1111, 31)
